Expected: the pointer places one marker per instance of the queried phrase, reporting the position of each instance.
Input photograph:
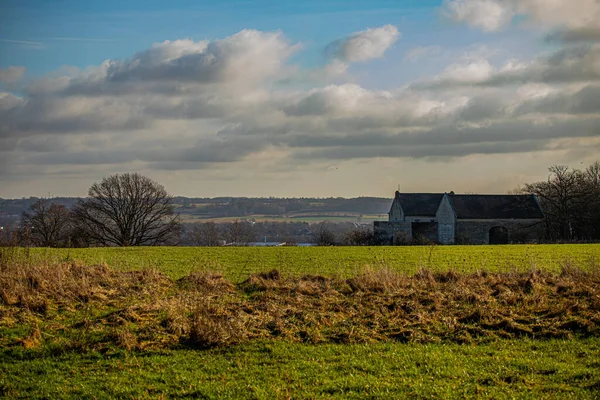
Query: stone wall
(390, 231)
(477, 231)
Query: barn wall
(389, 232)
(446, 222)
(477, 231)
(396, 212)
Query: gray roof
(419, 204)
(472, 206)
(491, 206)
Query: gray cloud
(452, 141)
(569, 64)
(583, 101)
(51, 114)
(11, 74)
(192, 105)
(575, 35)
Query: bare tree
(571, 202)
(239, 232)
(128, 210)
(205, 234)
(47, 224)
(324, 236)
(359, 236)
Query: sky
(296, 99)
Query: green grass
(237, 263)
(76, 353)
(502, 369)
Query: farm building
(449, 218)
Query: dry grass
(77, 306)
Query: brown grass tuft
(382, 280)
(206, 282)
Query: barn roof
(486, 206)
(472, 206)
(419, 204)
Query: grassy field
(310, 218)
(419, 322)
(270, 370)
(237, 263)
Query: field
(237, 263)
(442, 322)
(311, 217)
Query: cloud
(173, 67)
(575, 35)
(249, 55)
(570, 64)
(20, 117)
(488, 15)
(365, 45)
(11, 74)
(568, 102)
(493, 15)
(185, 104)
(25, 43)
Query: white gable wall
(396, 212)
(446, 219)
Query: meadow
(237, 263)
(339, 322)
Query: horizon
(318, 99)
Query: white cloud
(493, 15)
(365, 45)
(249, 55)
(488, 15)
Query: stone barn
(449, 218)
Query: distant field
(310, 218)
(237, 263)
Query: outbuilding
(449, 218)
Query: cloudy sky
(288, 98)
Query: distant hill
(194, 208)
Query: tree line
(133, 210)
(570, 200)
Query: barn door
(498, 235)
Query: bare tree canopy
(206, 234)
(571, 202)
(128, 210)
(323, 235)
(239, 232)
(47, 224)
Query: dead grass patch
(99, 307)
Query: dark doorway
(498, 235)
(424, 232)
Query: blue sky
(82, 33)
(418, 93)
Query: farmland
(341, 322)
(237, 263)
